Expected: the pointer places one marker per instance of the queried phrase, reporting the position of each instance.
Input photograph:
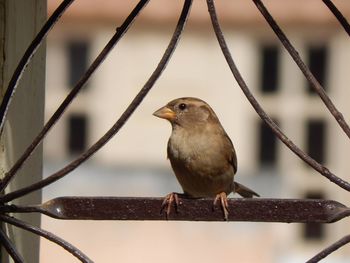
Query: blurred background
(134, 162)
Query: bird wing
(232, 157)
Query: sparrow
(201, 154)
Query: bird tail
(244, 191)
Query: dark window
(316, 140)
(318, 60)
(314, 231)
(78, 52)
(269, 68)
(267, 142)
(77, 133)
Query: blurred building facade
(198, 69)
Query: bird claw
(169, 199)
(224, 204)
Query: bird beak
(165, 113)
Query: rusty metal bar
(48, 235)
(304, 69)
(327, 251)
(120, 122)
(74, 92)
(260, 111)
(240, 209)
(10, 248)
(28, 54)
(342, 20)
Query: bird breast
(199, 162)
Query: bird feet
(172, 199)
(224, 204)
(169, 199)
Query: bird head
(187, 112)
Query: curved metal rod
(28, 54)
(10, 248)
(48, 235)
(120, 122)
(273, 126)
(73, 93)
(342, 20)
(306, 71)
(324, 253)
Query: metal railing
(133, 208)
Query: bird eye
(182, 106)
